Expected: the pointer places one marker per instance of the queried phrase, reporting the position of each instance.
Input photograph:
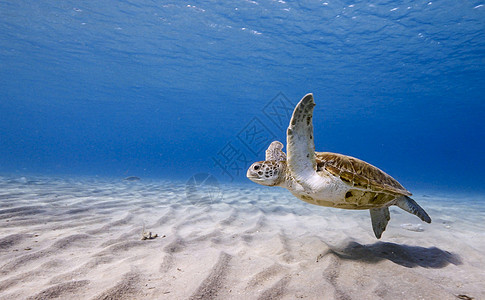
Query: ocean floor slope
(82, 239)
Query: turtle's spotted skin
(330, 179)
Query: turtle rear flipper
(412, 207)
(379, 218)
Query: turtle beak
(253, 176)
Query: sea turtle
(330, 179)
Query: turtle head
(269, 172)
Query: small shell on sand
(148, 236)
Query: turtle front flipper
(379, 218)
(275, 152)
(300, 145)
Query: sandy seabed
(81, 239)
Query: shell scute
(347, 176)
(361, 181)
(333, 170)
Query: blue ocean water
(170, 89)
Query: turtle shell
(358, 173)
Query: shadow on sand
(407, 256)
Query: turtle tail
(412, 207)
